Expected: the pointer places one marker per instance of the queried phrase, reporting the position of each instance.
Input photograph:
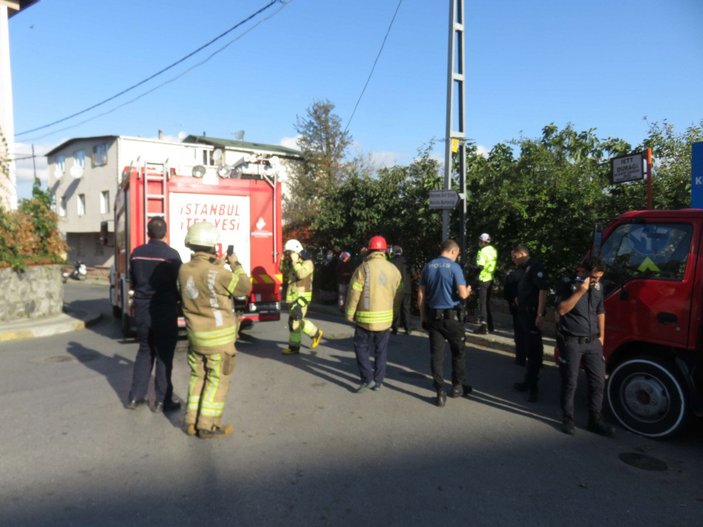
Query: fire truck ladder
(155, 180)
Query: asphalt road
(309, 451)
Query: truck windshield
(647, 250)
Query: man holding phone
(581, 331)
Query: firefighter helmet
(377, 243)
(202, 234)
(294, 246)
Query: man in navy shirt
(153, 269)
(442, 288)
(581, 335)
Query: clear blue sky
(603, 64)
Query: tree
(323, 145)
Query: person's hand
(539, 321)
(232, 259)
(294, 257)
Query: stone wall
(36, 292)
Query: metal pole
(650, 197)
(450, 106)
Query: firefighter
(374, 290)
(153, 271)
(298, 269)
(207, 288)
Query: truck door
(648, 283)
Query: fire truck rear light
(198, 171)
(252, 307)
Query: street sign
(443, 199)
(627, 168)
(697, 175)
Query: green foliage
(30, 234)
(323, 145)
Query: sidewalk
(69, 320)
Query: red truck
(245, 209)
(654, 319)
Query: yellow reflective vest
(207, 288)
(373, 290)
(488, 258)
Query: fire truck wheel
(647, 397)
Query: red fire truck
(654, 319)
(246, 209)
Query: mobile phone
(230, 250)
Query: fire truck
(245, 209)
(654, 318)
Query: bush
(30, 234)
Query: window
(62, 206)
(59, 166)
(78, 163)
(81, 205)
(100, 155)
(648, 250)
(104, 202)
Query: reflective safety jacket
(373, 290)
(298, 278)
(488, 258)
(207, 288)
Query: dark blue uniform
(440, 279)
(532, 280)
(578, 333)
(154, 271)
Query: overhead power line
(374, 66)
(160, 72)
(172, 79)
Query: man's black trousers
(572, 355)
(451, 331)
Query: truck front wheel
(647, 397)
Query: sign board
(229, 214)
(697, 175)
(627, 168)
(443, 199)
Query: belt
(581, 340)
(446, 314)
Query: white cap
(485, 237)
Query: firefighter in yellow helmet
(298, 269)
(207, 288)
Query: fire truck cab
(654, 319)
(245, 209)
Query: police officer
(374, 289)
(401, 314)
(531, 303)
(486, 261)
(153, 271)
(207, 288)
(442, 288)
(510, 295)
(297, 268)
(581, 332)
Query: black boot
(481, 330)
(597, 425)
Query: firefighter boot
(190, 429)
(316, 339)
(216, 432)
(291, 350)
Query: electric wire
(163, 70)
(378, 55)
(158, 86)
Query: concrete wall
(36, 292)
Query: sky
(615, 66)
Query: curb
(70, 320)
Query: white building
(84, 174)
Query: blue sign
(697, 175)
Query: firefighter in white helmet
(297, 268)
(207, 288)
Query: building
(84, 174)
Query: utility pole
(456, 119)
